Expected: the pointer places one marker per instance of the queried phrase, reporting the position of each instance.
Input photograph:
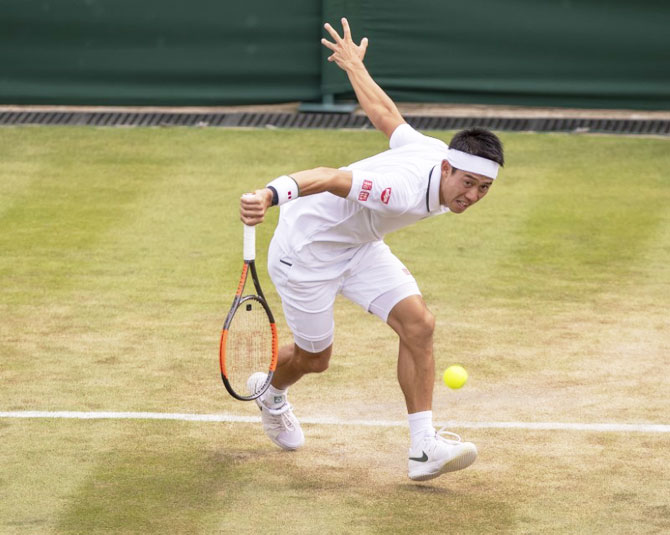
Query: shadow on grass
(183, 488)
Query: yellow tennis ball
(455, 376)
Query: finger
(336, 36)
(328, 44)
(364, 46)
(346, 30)
(250, 221)
(251, 210)
(254, 211)
(252, 215)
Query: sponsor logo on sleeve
(367, 185)
(363, 196)
(386, 195)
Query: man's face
(461, 189)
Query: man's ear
(446, 168)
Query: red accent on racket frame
(275, 348)
(243, 279)
(222, 360)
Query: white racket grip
(249, 243)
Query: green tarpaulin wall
(583, 53)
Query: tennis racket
(249, 336)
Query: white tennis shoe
(279, 424)
(436, 455)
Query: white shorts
(309, 280)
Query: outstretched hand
(346, 53)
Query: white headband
(475, 164)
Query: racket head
(249, 344)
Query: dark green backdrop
(208, 52)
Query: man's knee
(412, 320)
(314, 362)
(421, 327)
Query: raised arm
(380, 109)
(309, 182)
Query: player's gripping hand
(254, 205)
(346, 53)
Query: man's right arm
(308, 182)
(389, 193)
(377, 105)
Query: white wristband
(286, 189)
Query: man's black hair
(479, 142)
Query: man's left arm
(377, 105)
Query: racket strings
(249, 344)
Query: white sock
(420, 425)
(274, 397)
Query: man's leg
(382, 285)
(430, 454)
(308, 293)
(279, 422)
(294, 362)
(415, 324)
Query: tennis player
(329, 241)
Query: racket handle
(249, 238)
(249, 243)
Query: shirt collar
(433, 191)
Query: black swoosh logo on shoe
(422, 459)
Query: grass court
(120, 250)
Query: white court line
(231, 418)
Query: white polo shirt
(390, 190)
